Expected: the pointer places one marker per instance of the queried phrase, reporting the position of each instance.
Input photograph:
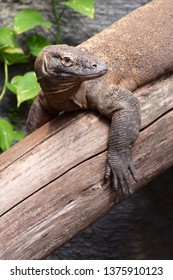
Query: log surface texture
(50, 182)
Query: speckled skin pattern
(102, 73)
(139, 47)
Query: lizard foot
(117, 172)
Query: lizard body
(102, 73)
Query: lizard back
(139, 47)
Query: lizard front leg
(39, 114)
(123, 108)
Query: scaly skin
(61, 71)
(137, 49)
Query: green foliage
(10, 51)
(85, 7)
(8, 39)
(25, 87)
(8, 135)
(36, 43)
(28, 19)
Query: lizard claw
(117, 172)
(133, 171)
(109, 178)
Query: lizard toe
(120, 165)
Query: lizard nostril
(94, 65)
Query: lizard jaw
(85, 76)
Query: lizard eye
(67, 61)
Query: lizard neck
(64, 90)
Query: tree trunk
(50, 182)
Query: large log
(50, 183)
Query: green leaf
(14, 50)
(36, 43)
(85, 7)
(15, 58)
(28, 19)
(9, 49)
(7, 38)
(18, 135)
(6, 134)
(27, 87)
(14, 83)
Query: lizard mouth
(85, 76)
(45, 69)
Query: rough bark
(50, 183)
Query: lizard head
(66, 63)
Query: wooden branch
(50, 183)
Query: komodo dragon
(102, 73)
